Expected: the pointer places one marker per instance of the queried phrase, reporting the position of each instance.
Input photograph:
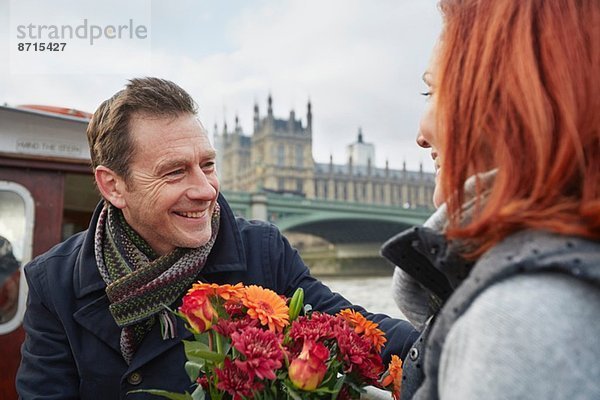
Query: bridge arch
(338, 228)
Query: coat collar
(426, 255)
(226, 255)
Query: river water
(373, 293)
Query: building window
(280, 155)
(299, 186)
(280, 184)
(299, 156)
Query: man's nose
(200, 186)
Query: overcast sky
(358, 61)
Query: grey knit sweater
(499, 348)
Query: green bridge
(353, 232)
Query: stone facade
(277, 157)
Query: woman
(504, 279)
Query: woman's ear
(111, 186)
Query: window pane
(16, 222)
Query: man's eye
(209, 165)
(175, 172)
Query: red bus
(47, 193)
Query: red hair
(519, 90)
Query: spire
(291, 124)
(309, 117)
(330, 163)
(360, 135)
(256, 117)
(270, 106)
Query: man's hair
(108, 132)
(518, 89)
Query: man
(95, 323)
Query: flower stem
(210, 340)
(219, 341)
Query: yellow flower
(365, 327)
(266, 306)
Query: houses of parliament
(278, 158)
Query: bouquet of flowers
(249, 342)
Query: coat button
(413, 353)
(135, 378)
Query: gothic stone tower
(281, 155)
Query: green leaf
(199, 352)
(338, 387)
(292, 393)
(164, 393)
(201, 337)
(198, 394)
(193, 369)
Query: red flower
(225, 327)
(234, 308)
(198, 310)
(357, 355)
(235, 381)
(261, 350)
(308, 370)
(316, 327)
(202, 381)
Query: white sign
(50, 148)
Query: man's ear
(111, 186)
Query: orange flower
(225, 291)
(394, 376)
(228, 292)
(365, 327)
(266, 306)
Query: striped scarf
(140, 283)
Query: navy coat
(71, 349)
